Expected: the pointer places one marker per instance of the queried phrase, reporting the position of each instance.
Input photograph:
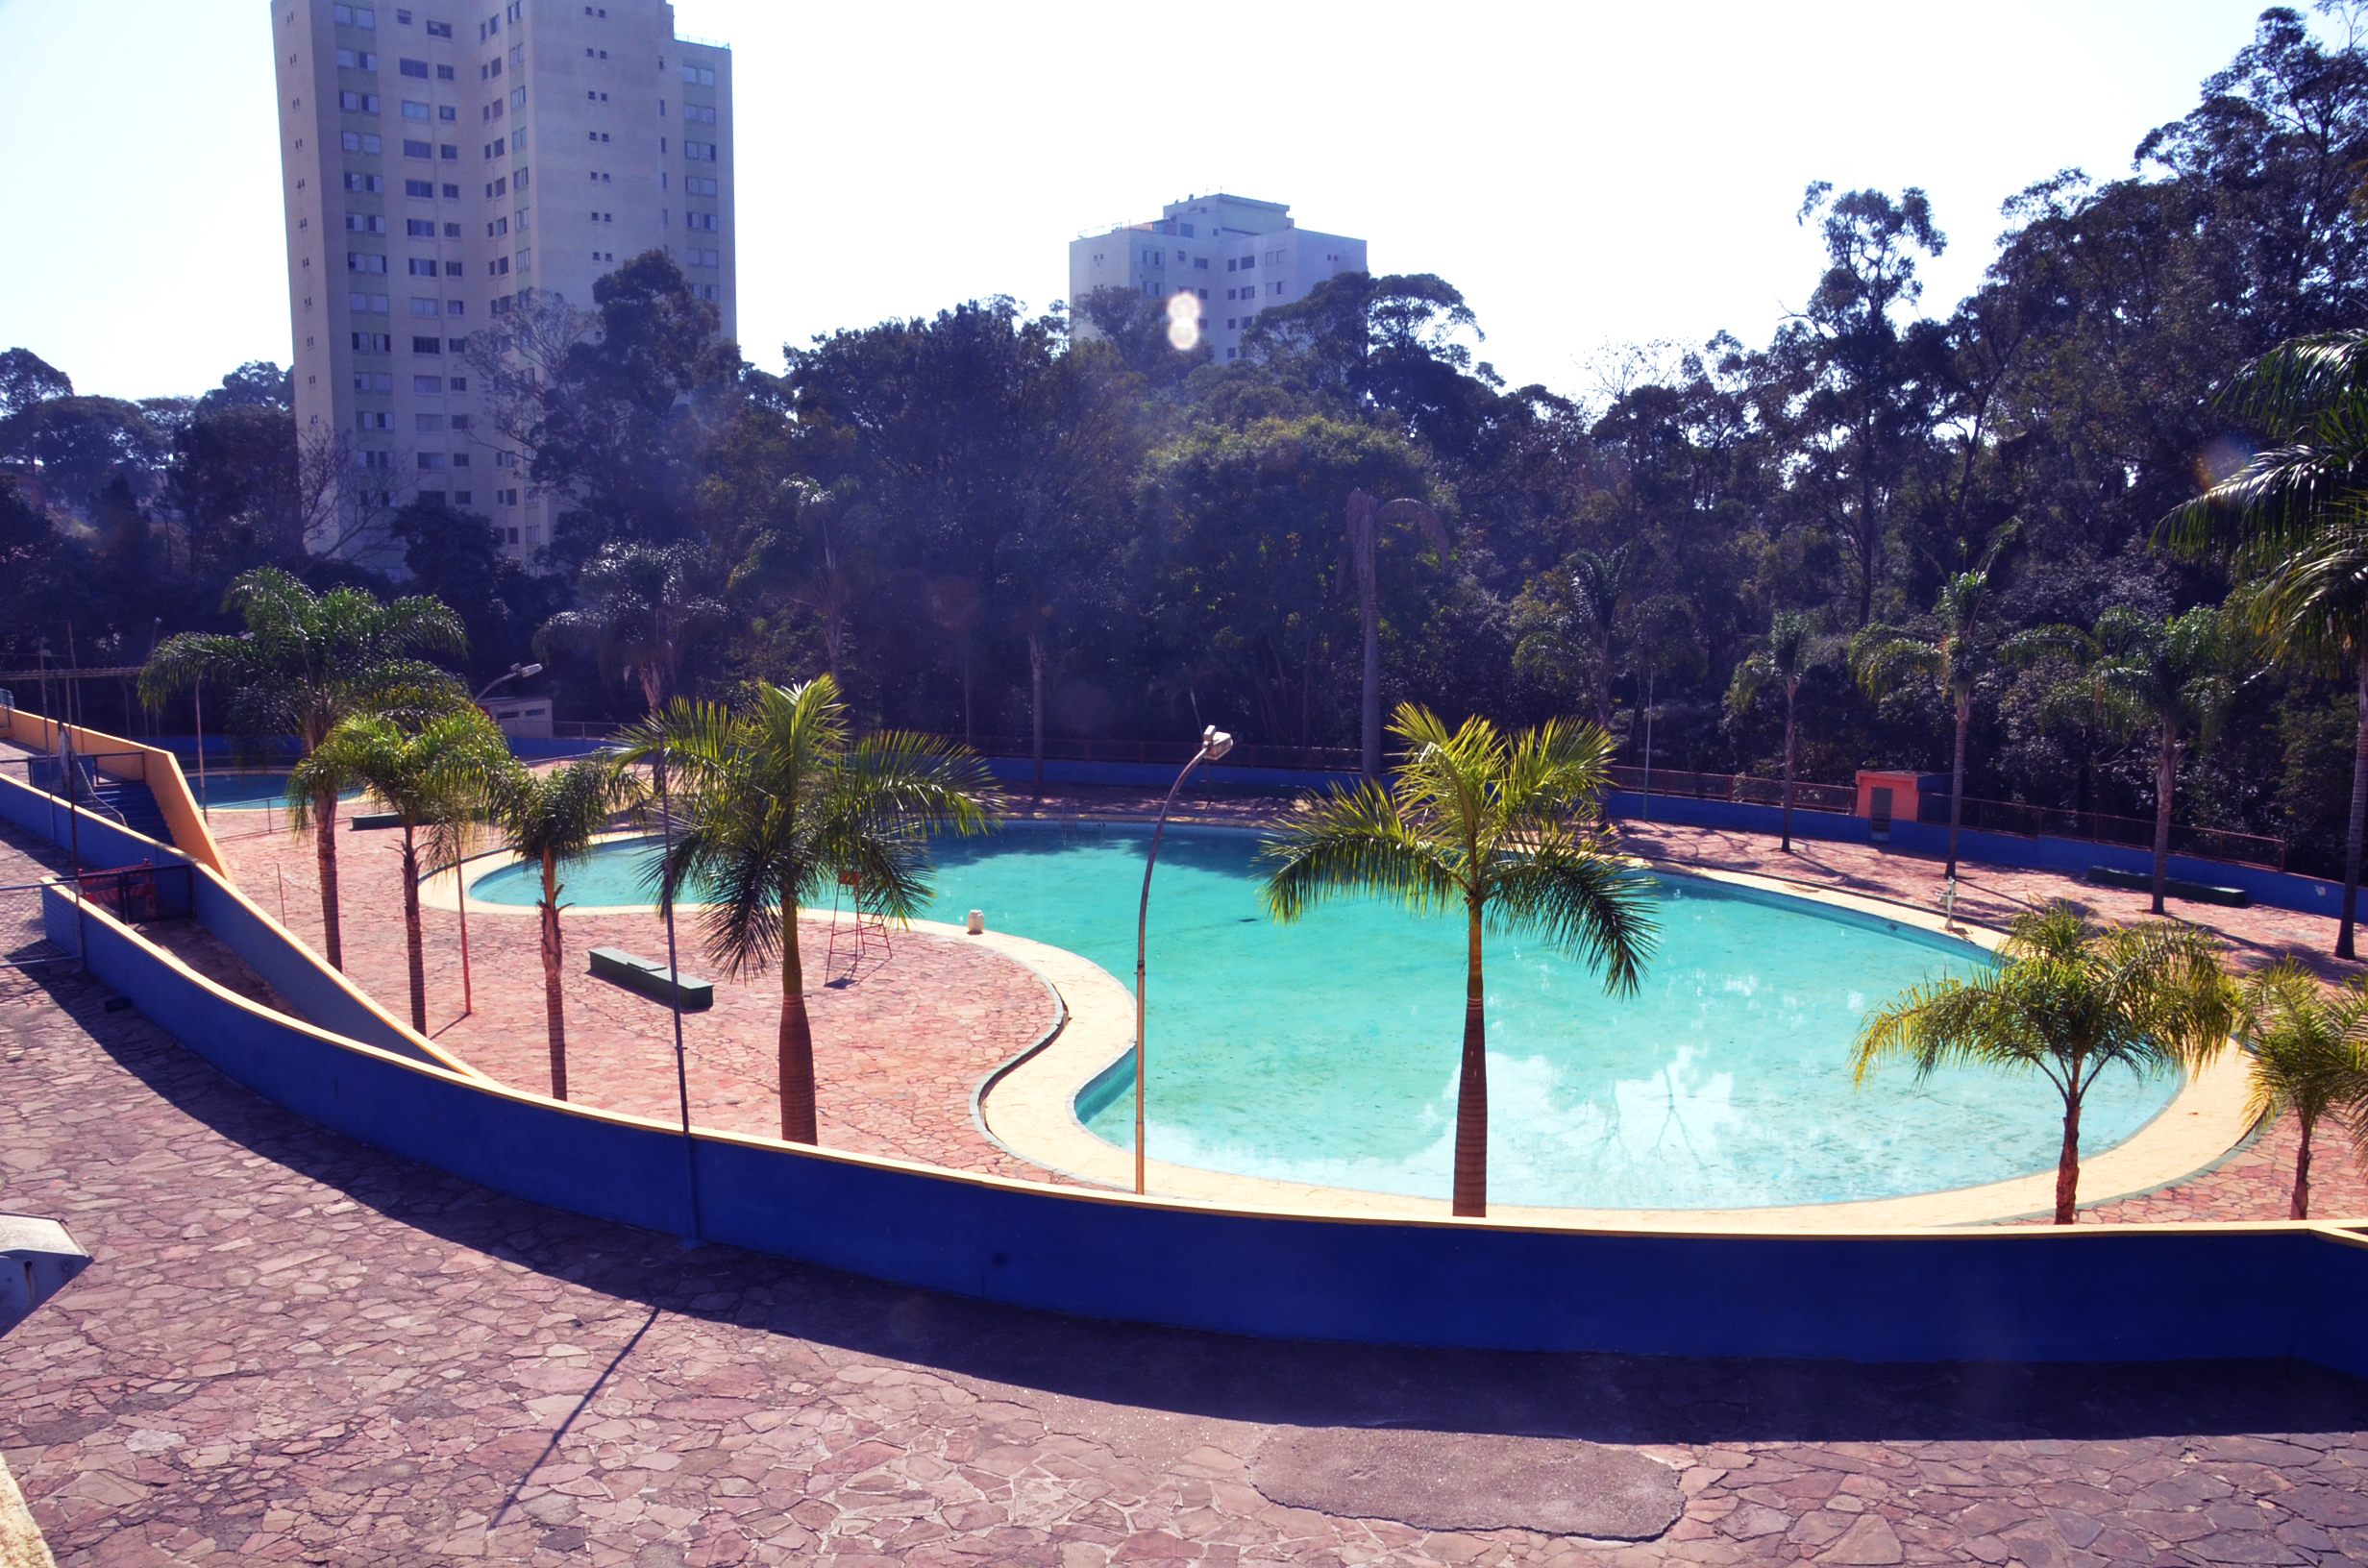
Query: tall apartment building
(445, 163)
(1238, 255)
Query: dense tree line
(985, 521)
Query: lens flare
(1184, 321)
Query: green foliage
(2307, 1054)
(2068, 1001)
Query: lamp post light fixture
(517, 672)
(1214, 742)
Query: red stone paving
(900, 1041)
(294, 1348)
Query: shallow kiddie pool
(1326, 1051)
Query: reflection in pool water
(1326, 1051)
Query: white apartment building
(443, 162)
(1238, 256)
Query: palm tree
(1599, 585)
(642, 605)
(551, 819)
(1367, 517)
(308, 661)
(1490, 823)
(2068, 1001)
(2292, 525)
(432, 777)
(2309, 1055)
(1794, 646)
(1949, 653)
(778, 802)
(2088, 700)
(2173, 679)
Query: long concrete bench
(649, 977)
(2108, 876)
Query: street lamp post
(1214, 742)
(517, 672)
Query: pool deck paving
(294, 1348)
(297, 1349)
(902, 1042)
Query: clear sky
(1588, 174)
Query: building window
(444, 73)
(427, 345)
(419, 228)
(356, 16)
(493, 149)
(414, 67)
(501, 226)
(362, 304)
(460, 422)
(430, 384)
(452, 269)
(368, 380)
(421, 266)
(439, 30)
(371, 183)
(699, 152)
(373, 343)
(698, 185)
(418, 149)
(452, 193)
(461, 459)
(449, 114)
(364, 261)
(356, 142)
(456, 307)
(498, 187)
(425, 308)
(458, 345)
(699, 220)
(698, 76)
(359, 103)
(373, 459)
(365, 223)
(427, 421)
(357, 59)
(431, 459)
(698, 114)
(374, 419)
(709, 292)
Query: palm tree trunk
(2166, 777)
(796, 1043)
(1787, 834)
(1036, 703)
(2359, 818)
(325, 856)
(2300, 1209)
(1957, 779)
(554, 1017)
(1371, 711)
(2068, 1165)
(415, 957)
(1471, 1095)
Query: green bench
(2107, 876)
(649, 978)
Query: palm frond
(1355, 840)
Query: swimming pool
(1326, 1051)
(243, 790)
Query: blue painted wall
(2012, 1293)
(1157, 776)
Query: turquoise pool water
(240, 791)
(1326, 1051)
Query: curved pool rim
(1028, 1106)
